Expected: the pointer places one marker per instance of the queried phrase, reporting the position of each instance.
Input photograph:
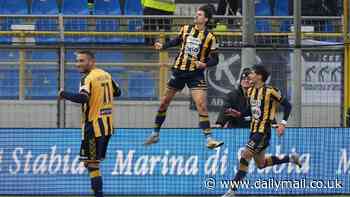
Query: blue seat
(120, 75)
(134, 7)
(107, 7)
(9, 84)
(4, 39)
(72, 80)
(108, 25)
(329, 27)
(10, 7)
(109, 56)
(141, 85)
(13, 7)
(76, 7)
(9, 55)
(263, 8)
(69, 55)
(42, 7)
(282, 9)
(43, 55)
(285, 26)
(44, 84)
(5, 25)
(76, 25)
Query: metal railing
(270, 29)
(273, 33)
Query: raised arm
(173, 42)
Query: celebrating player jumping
(198, 51)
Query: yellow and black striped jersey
(263, 104)
(98, 84)
(196, 46)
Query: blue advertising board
(46, 162)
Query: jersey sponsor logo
(192, 46)
(255, 108)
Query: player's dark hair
(261, 70)
(245, 73)
(87, 52)
(208, 10)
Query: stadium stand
(76, 7)
(71, 75)
(42, 83)
(41, 80)
(263, 8)
(108, 56)
(141, 85)
(134, 7)
(9, 75)
(72, 80)
(107, 7)
(11, 7)
(69, 55)
(42, 55)
(120, 75)
(45, 7)
(9, 83)
(8, 55)
(282, 9)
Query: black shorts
(193, 80)
(258, 141)
(93, 148)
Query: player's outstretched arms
(172, 43)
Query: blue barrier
(45, 162)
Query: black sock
(96, 182)
(204, 124)
(160, 118)
(273, 160)
(242, 172)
